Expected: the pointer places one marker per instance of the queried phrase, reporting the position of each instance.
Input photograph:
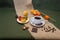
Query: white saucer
(22, 22)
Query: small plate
(22, 22)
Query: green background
(9, 28)
(49, 7)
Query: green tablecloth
(9, 28)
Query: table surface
(9, 28)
